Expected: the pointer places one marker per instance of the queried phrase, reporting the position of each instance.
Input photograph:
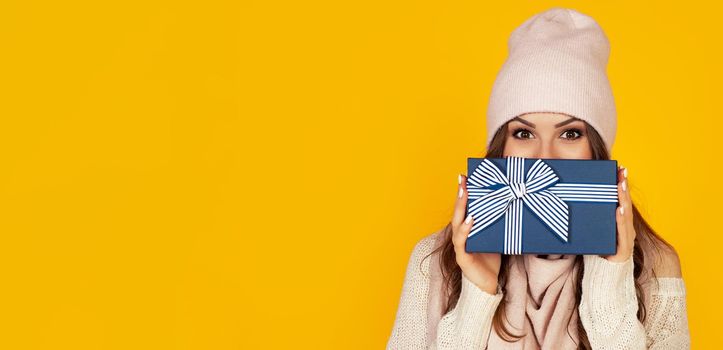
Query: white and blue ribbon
(539, 190)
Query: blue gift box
(542, 206)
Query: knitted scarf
(540, 302)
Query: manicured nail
(625, 172)
(622, 210)
(459, 179)
(468, 219)
(461, 192)
(625, 187)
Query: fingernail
(622, 210)
(460, 192)
(625, 172)
(468, 219)
(625, 187)
(459, 179)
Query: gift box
(542, 206)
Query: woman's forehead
(544, 117)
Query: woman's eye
(522, 134)
(571, 134)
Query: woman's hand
(624, 218)
(482, 269)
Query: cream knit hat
(557, 63)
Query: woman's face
(547, 135)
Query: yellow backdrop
(247, 175)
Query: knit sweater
(607, 310)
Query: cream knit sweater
(607, 310)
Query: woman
(551, 99)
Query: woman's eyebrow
(566, 122)
(524, 122)
(531, 124)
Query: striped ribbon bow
(493, 194)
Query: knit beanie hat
(556, 63)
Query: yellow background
(220, 175)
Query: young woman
(550, 100)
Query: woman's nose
(545, 152)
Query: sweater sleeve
(466, 326)
(666, 323)
(608, 307)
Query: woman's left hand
(624, 219)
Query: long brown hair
(647, 242)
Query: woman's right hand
(482, 269)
